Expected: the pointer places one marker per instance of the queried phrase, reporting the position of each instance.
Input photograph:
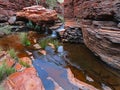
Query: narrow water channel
(80, 61)
(91, 66)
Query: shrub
(5, 71)
(13, 54)
(32, 26)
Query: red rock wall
(100, 24)
(93, 9)
(9, 7)
(68, 8)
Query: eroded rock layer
(100, 23)
(37, 14)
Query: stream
(78, 68)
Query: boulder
(37, 14)
(12, 20)
(26, 80)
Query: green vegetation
(5, 71)
(55, 43)
(51, 3)
(44, 42)
(6, 29)
(24, 64)
(24, 39)
(32, 26)
(61, 18)
(13, 54)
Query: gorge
(56, 45)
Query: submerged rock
(63, 78)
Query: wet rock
(73, 35)
(29, 53)
(104, 87)
(43, 52)
(26, 80)
(89, 79)
(80, 84)
(60, 49)
(49, 50)
(36, 46)
(37, 14)
(51, 45)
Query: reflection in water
(83, 64)
(63, 77)
(82, 58)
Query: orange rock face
(37, 14)
(26, 80)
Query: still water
(80, 61)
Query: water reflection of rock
(53, 75)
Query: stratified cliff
(100, 23)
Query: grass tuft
(13, 54)
(5, 71)
(24, 64)
(44, 42)
(24, 39)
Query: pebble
(36, 46)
